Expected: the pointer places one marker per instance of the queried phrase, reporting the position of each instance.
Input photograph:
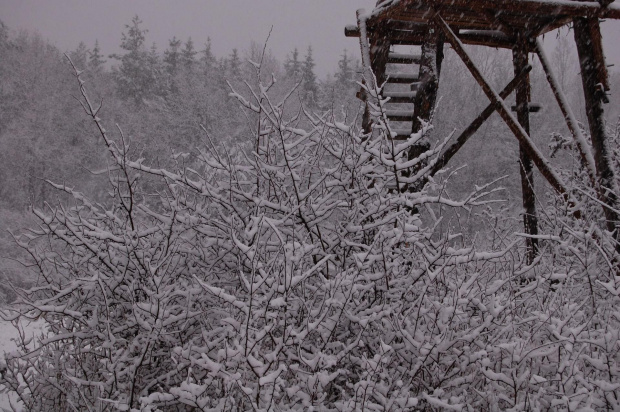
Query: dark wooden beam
(402, 58)
(497, 22)
(351, 30)
(596, 44)
(532, 107)
(461, 18)
(477, 123)
(403, 78)
(520, 57)
(541, 163)
(379, 45)
(404, 25)
(400, 97)
(426, 96)
(550, 24)
(520, 14)
(490, 38)
(590, 60)
(569, 117)
(534, 7)
(367, 77)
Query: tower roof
(486, 22)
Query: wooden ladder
(402, 93)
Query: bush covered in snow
(293, 275)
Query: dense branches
(283, 270)
(293, 276)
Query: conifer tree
(135, 76)
(207, 59)
(188, 54)
(293, 65)
(4, 34)
(234, 64)
(95, 60)
(309, 78)
(344, 74)
(133, 40)
(80, 55)
(172, 56)
(156, 72)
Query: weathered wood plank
(534, 7)
(491, 38)
(532, 15)
(404, 58)
(403, 78)
(400, 97)
(399, 115)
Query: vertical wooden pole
(379, 53)
(379, 49)
(593, 76)
(430, 65)
(426, 97)
(523, 97)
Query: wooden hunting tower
(510, 24)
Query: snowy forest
(197, 232)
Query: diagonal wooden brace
(503, 110)
(478, 121)
(569, 117)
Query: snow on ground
(7, 335)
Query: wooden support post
(504, 111)
(426, 96)
(379, 52)
(592, 63)
(367, 70)
(378, 47)
(530, 220)
(430, 67)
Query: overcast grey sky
(229, 23)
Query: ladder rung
(400, 97)
(533, 107)
(402, 134)
(402, 78)
(399, 115)
(403, 58)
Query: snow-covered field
(7, 335)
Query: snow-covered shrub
(293, 275)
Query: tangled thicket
(293, 275)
